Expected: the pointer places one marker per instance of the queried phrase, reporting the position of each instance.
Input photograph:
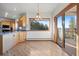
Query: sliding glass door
(70, 31)
(59, 26)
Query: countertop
(3, 33)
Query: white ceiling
(16, 9)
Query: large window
(42, 24)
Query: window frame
(42, 19)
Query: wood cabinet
(8, 22)
(1, 45)
(22, 21)
(21, 36)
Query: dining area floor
(36, 48)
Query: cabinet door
(24, 35)
(14, 41)
(17, 37)
(1, 45)
(7, 42)
(21, 36)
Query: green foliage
(72, 23)
(72, 27)
(35, 25)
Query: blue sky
(67, 20)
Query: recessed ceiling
(16, 9)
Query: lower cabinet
(21, 36)
(7, 41)
(1, 45)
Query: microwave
(6, 28)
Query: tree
(35, 25)
(72, 26)
(72, 23)
(46, 27)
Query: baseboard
(39, 39)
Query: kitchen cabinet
(21, 36)
(7, 41)
(22, 21)
(1, 45)
(7, 25)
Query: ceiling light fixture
(38, 13)
(14, 9)
(6, 14)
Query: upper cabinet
(7, 24)
(22, 22)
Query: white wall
(40, 34)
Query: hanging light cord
(38, 14)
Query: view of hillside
(36, 25)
